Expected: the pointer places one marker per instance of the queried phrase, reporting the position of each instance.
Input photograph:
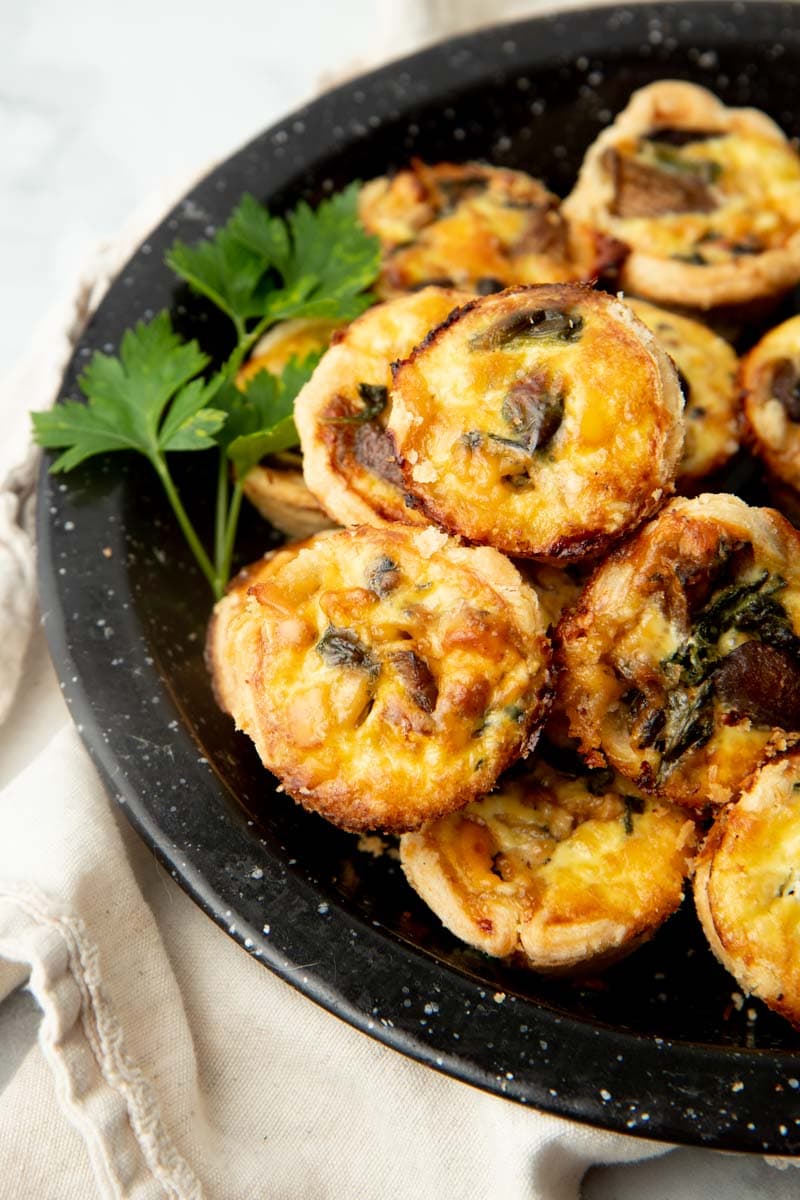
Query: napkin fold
(188, 1070)
(169, 1062)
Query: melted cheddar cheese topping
(287, 340)
(751, 190)
(467, 226)
(545, 421)
(386, 675)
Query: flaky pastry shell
(348, 459)
(561, 871)
(705, 198)
(275, 487)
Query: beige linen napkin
(188, 1070)
(169, 1062)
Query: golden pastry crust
(770, 382)
(276, 487)
(706, 198)
(564, 871)
(747, 887)
(467, 226)
(544, 421)
(348, 459)
(707, 365)
(679, 663)
(386, 675)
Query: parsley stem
(224, 567)
(203, 561)
(220, 520)
(244, 344)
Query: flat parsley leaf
(315, 263)
(260, 418)
(257, 269)
(265, 237)
(148, 400)
(224, 270)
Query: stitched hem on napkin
(105, 1095)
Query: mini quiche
(385, 674)
(747, 886)
(545, 421)
(563, 869)
(276, 486)
(707, 367)
(348, 458)
(468, 226)
(770, 382)
(680, 663)
(706, 199)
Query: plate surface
(657, 1046)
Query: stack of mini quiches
(705, 202)
(549, 749)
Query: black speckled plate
(658, 1046)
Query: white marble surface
(100, 106)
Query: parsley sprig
(160, 395)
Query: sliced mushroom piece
(534, 324)
(762, 683)
(643, 190)
(451, 192)
(373, 449)
(344, 648)
(668, 135)
(786, 388)
(544, 233)
(418, 679)
(384, 577)
(534, 411)
(487, 285)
